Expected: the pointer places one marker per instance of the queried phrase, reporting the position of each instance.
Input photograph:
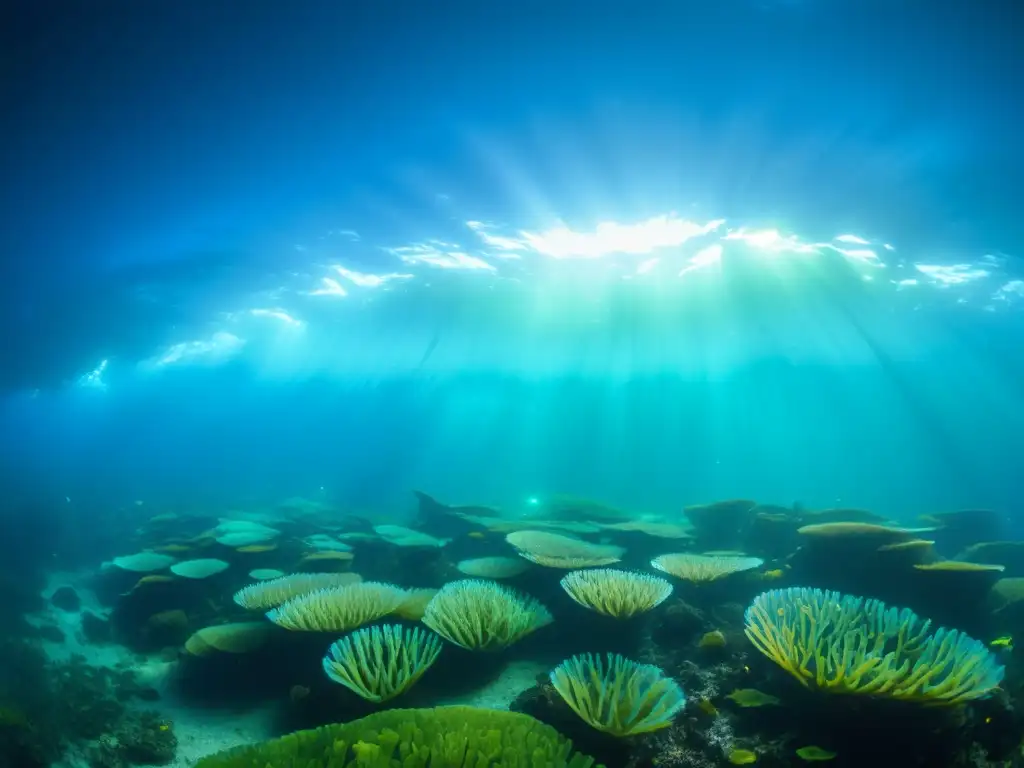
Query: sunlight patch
(611, 237)
(705, 257)
(277, 314)
(329, 287)
(94, 378)
(367, 280)
(952, 274)
(434, 256)
(771, 241)
(217, 348)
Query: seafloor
(731, 633)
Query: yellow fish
(814, 754)
(751, 697)
(477, 535)
(742, 757)
(707, 707)
(776, 573)
(1003, 642)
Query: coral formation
(418, 738)
(845, 644)
(380, 663)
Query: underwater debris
(852, 645)
(704, 568)
(483, 615)
(618, 696)
(380, 663)
(615, 593)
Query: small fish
(477, 535)
(705, 706)
(1006, 641)
(751, 697)
(814, 754)
(742, 757)
(776, 573)
(712, 639)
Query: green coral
(616, 695)
(443, 737)
(845, 644)
(380, 663)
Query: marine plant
(264, 595)
(448, 737)
(481, 615)
(338, 609)
(616, 695)
(853, 645)
(380, 663)
(620, 594)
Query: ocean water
(406, 294)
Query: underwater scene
(512, 385)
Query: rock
(95, 628)
(66, 599)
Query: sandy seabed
(203, 731)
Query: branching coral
(845, 644)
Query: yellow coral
(845, 644)
(482, 615)
(617, 695)
(616, 593)
(339, 609)
(380, 663)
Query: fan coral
(845, 644)
(616, 593)
(380, 663)
(483, 615)
(617, 695)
